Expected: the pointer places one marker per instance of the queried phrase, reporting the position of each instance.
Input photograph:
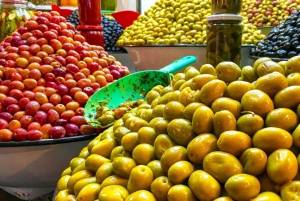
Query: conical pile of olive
(283, 41)
(177, 22)
(269, 13)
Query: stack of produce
(282, 41)
(177, 22)
(269, 13)
(47, 74)
(213, 134)
(112, 30)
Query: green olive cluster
(176, 22)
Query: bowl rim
(177, 45)
(276, 59)
(48, 141)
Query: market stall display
(283, 40)
(208, 135)
(48, 72)
(262, 13)
(178, 22)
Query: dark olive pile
(283, 41)
(73, 18)
(112, 30)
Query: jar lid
(90, 27)
(224, 17)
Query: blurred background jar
(44, 2)
(14, 13)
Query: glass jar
(92, 34)
(224, 39)
(13, 13)
(89, 12)
(226, 6)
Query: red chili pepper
(6, 13)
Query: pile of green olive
(178, 22)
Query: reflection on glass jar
(13, 13)
(224, 39)
(92, 34)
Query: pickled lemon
(173, 155)
(288, 97)
(237, 89)
(113, 192)
(271, 83)
(234, 142)
(161, 144)
(292, 65)
(212, 90)
(89, 192)
(103, 172)
(200, 80)
(204, 186)
(142, 154)
(173, 110)
(181, 192)
(282, 118)
(293, 79)
(114, 180)
(267, 196)
(257, 102)
(221, 165)
(260, 61)
(147, 135)
(268, 67)
(290, 191)
(228, 71)
(203, 120)
(250, 123)
(242, 187)
(282, 166)
(254, 161)
(248, 74)
(181, 131)
(140, 178)
(223, 121)
(130, 141)
(62, 183)
(180, 171)
(229, 104)
(190, 109)
(141, 195)
(271, 138)
(160, 188)
(156, 168)
(123, 166)
(200, 146)
(208, 69)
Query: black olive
(292, 54)
(274, 38)
(275, 48)
(295, 44)
(262, 53)
(270, 54)
(281, 53)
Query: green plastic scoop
(132, 87)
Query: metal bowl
(31, 169)
(154, 57)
